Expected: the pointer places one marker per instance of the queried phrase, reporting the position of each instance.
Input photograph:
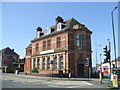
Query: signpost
(87, 64)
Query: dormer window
(47, 31)
(60, 26)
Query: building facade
(8, 59)
(65, 47)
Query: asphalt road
(17, 84)
(22, 81)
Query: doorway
(80, 70)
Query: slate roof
(7, 51)
(30, 45)
(69, 26)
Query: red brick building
(8, 59)
(67, 44)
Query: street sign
(87, 62)
(115, 81)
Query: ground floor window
(55, 63)
(38, 62)
(61, 63)
(34, 62)
(43, 65)
(48, 63)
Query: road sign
(87, 62)
(115, 81)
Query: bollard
(100, 76)
(115, 81)
(69, 75)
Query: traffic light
(113, 65)
(106, 53)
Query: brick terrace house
(62, 47)
(8, 58)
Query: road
(17, 81)
(17, 84)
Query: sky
(20, 20)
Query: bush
(35, 70)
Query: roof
(30, 45)
(117, 59)
(7, 51)
(69, 26)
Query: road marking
(73, 87)
(86, 83)
(54, 86)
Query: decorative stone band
(48, 51)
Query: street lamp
(114, 37)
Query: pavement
(93, 82)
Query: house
(8, 58)
(64, 47)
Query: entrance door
(80, 70)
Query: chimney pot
(39, 29)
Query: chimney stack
(13, 50)
(39, 32)
(58, 19)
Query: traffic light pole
(110, 58)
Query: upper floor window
(48, 44)
(44, 45)
(58, 42)
(30, 51)
(80, 39)
(78, 42)
(36, 47)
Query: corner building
(65, 47)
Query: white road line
(73, 87)
(86, 83)
(53, 86)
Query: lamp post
(114, 38)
